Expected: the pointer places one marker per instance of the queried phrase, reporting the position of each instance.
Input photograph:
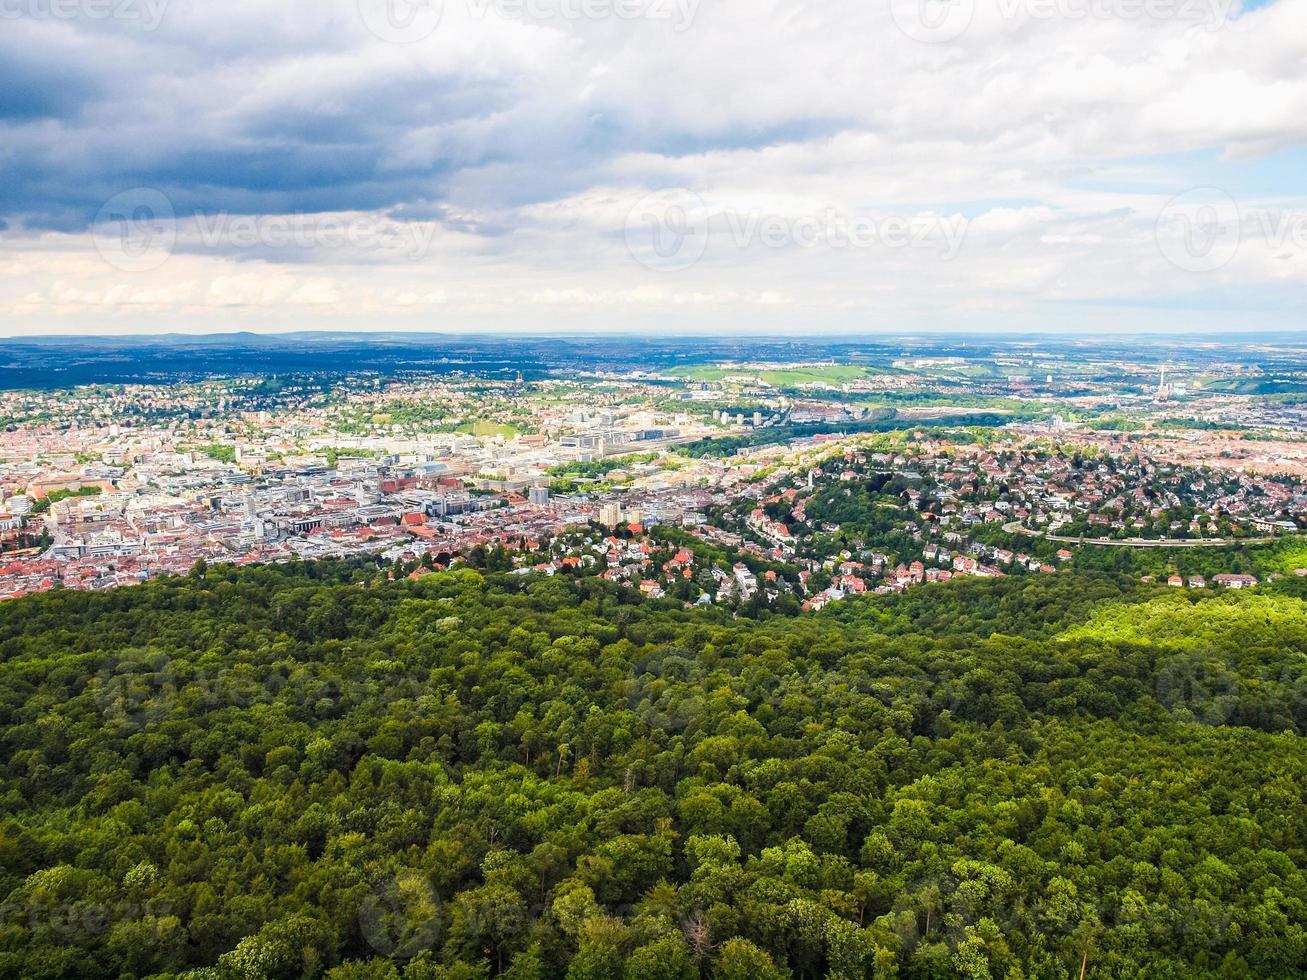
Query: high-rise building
(538, 496)
(610, 514)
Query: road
(1016, 527)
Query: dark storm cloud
(30, 90)
(297, 109)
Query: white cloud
(522, 146)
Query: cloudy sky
(760, 166)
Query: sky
(669, 166)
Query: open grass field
(777, 377)
(485, 430)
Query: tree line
(315, 771)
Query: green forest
(315, 771)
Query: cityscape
(653, 490)
(854, 659)
(989, 461)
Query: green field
(486, 430)
(1231, 621)
(778, 377)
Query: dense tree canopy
(311, 770)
